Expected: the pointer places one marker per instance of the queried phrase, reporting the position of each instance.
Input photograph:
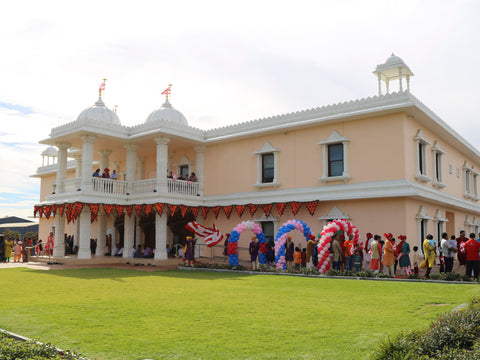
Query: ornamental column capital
(200, 148)
(105, 152)
(130, 146)
(63, 145)
(89, 138)
(162, 140)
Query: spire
(167, 92)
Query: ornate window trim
(335, 213)
(267, 149)
(421, 157)
(335, 138)
(437, 153)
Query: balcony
(114, 188)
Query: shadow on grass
(119, 274)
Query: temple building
(386, 163)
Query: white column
(128, 238)
(400, 80)
(78, 165)
(76, 232)
(379, 84)
(388, 86)
(104, 163)
(139, 233)
(130, 165)
(161, 237)
(408, 82)
(101, 233)
(59, 247)
(62, 166)
(141, 168)
(199, 166)
(87, 161)
(162, 163)
(84, 229)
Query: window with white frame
(421, 157)
(335, 158)
(422, 226)
(267, 166)
(471, 179)
(437, 166)
(183, 167)
(439, 222)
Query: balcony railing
(119, 187)
(183, 187)
(109, 186)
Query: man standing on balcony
(113, 175)
(96, 173)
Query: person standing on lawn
(429, 252)
(449, 248)
(190, 251)
(310, 246)
(289, 250)
(368, 252)
(376, 249)
(337, 253)
(404, 255)
(349, 252)
(253, 251)
(461, 256)
(472, 248)
(388, 257)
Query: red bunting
(295, 206)
(216, 211)
(159, 208)
(280, 207)
(138, 209)
(195, 211)
(60, 209)
(108, 208)
(68, 212)
(267, 209)
(148, 209)
(77, 209)
(228, 210)
(129, 209)
(35, 210)
(47, 209)
(253, 208)
(183, 210)
(205, 210)
(54, 209)
(94, 211)
(240, 210)
(173, 208)
(311, 206)
(119, 209)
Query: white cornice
(371, 190)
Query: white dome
(50, 151)
(99, 112)
(394, 60)
(167, 113)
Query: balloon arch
(323, 247)
(325, 241)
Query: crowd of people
(380, 254)
(191, 178)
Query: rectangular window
(268, 229)
(335, 160)
(438, 174)
(184, 171)
(467, 181)
(268, 168)
(474, 185)
(421, 165)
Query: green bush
(14, 349)
(454, 335)
(333, 272)
(436, 276)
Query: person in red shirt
(460, 254)
(472, 248)
(349, 253)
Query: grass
(128, 314)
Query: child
(297, 256)
(416, 259)
(304, 257)
(357, 260)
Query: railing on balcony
(119, 187)
(109, 186)
(183, 187)
(144, 186)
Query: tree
(9, 234)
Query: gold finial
(101, 88)
(167, 91)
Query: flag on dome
(102, 87)
(167, 91)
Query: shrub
(451, 336)
(382, 275)
(347, 273)
(333, 272)
(414, 276)
(453, 276)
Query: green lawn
(128, 314)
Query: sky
(228, 62)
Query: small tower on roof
(394, 68)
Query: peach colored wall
(231, 167)
(46, 184)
